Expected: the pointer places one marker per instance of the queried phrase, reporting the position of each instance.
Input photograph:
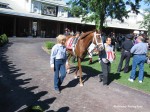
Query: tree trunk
(102, 19)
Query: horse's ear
(97, 31)
(94, 30)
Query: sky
(143, 5)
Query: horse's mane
(86, 34)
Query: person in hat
(125, 54)
(58, 61)
(67, 32)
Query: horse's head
(97, 40)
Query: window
(36, 7)
(62, 12)
(48, 10)
(3, 5)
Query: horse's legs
(76, 73)
(68, 67)
(80, 71)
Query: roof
(124, 25)
(14, 9)
(34, 15)
(12, 5)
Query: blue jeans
(138, 60)
(59, 66)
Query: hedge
(3, 39)
(49, 44)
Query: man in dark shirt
(125, 54)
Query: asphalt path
(27, 80)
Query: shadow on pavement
(113, 76)
(14, 97)
(89, 72)
(63, 109)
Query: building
(47, 18)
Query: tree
(146, 22)
(99, 10)
(147, 1)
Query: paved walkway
(26, 79)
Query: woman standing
(58, 60)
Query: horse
(81, 47)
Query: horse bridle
(98, 43)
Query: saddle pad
(69, 43)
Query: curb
(46, 50)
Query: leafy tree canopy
(99, 10)
(146, 22)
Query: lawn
(121, 78)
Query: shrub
(49, 44)
(3, 39)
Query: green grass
(121, 78)
(49, 44)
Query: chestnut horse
(81, 47)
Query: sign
(48, 10)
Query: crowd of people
(130, 45)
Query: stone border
(46, 50)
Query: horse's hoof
(81, 85)
(75, 77)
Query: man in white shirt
(107, 56)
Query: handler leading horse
(81, 47)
